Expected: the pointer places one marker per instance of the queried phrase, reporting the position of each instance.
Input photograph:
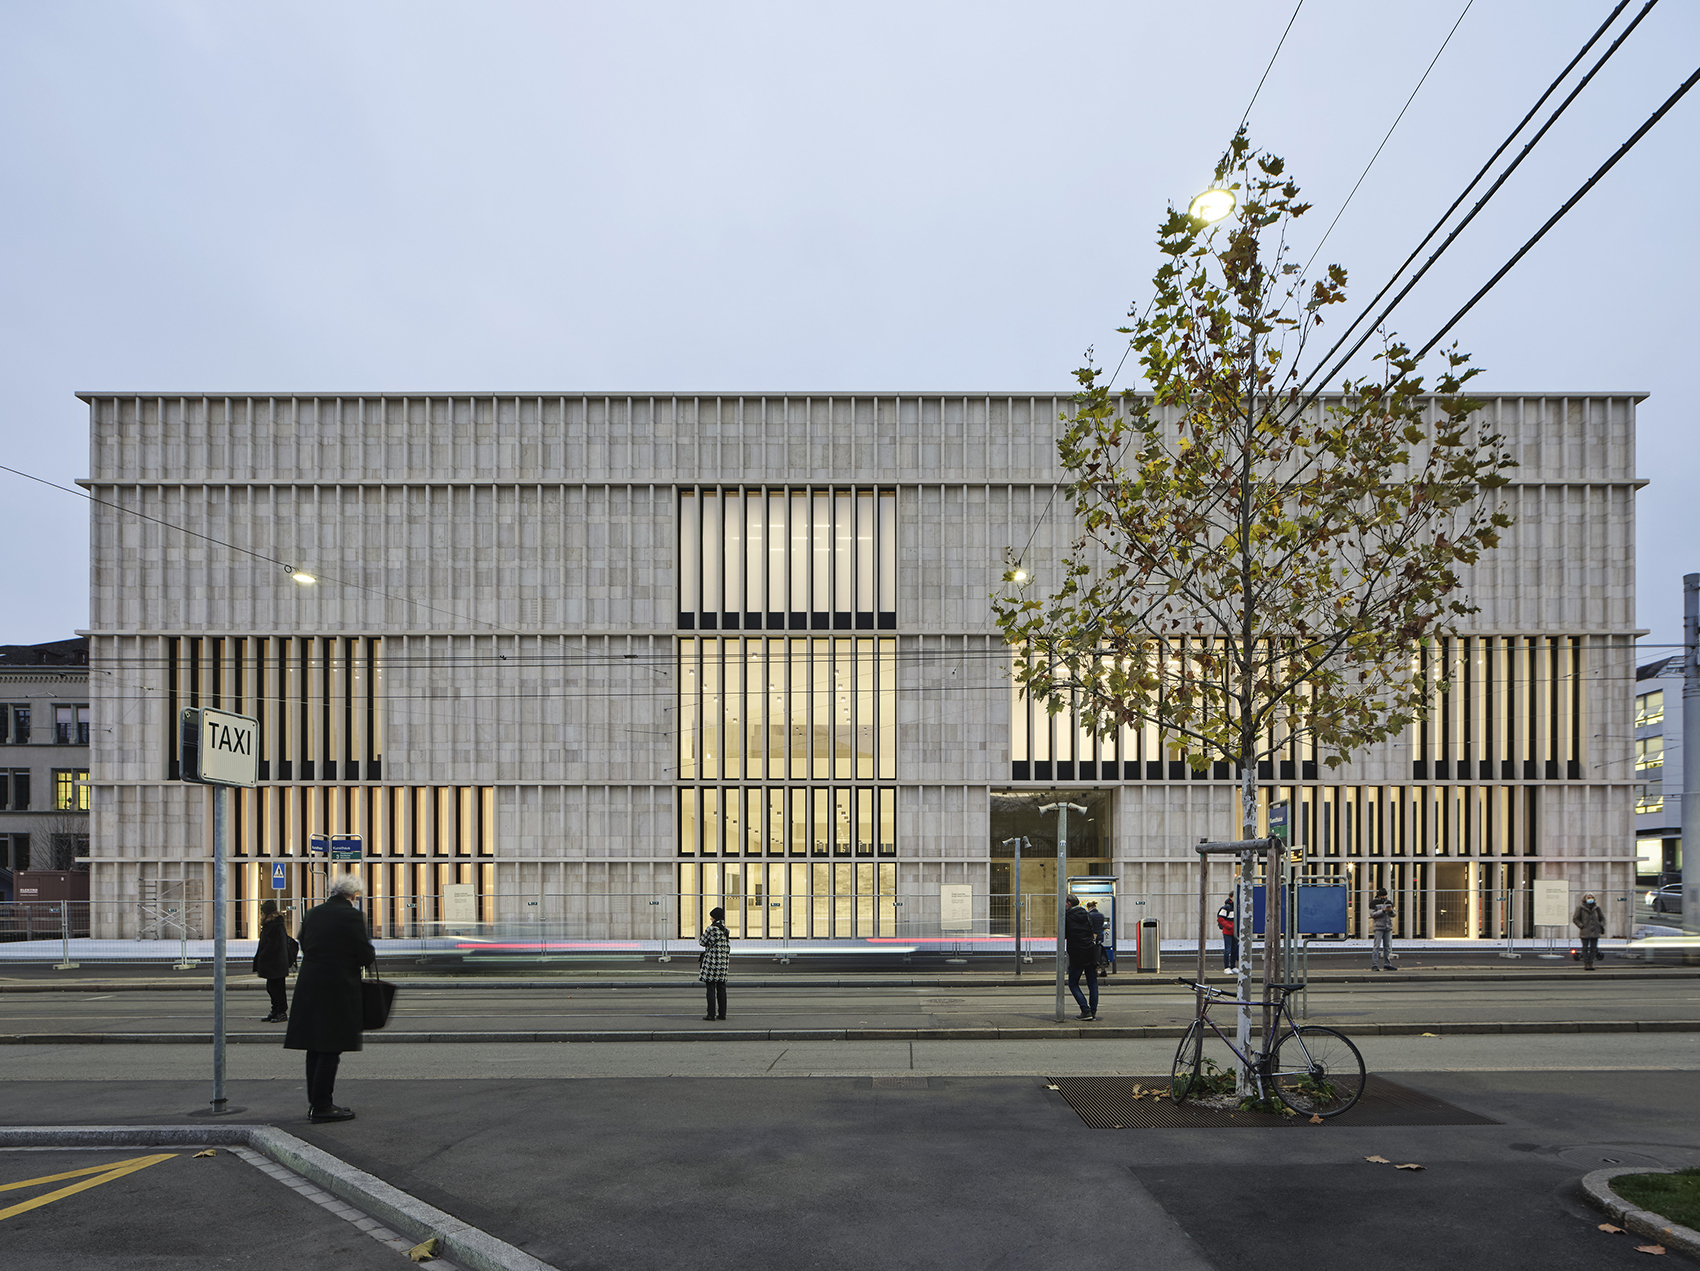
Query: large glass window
(15, 723)
(774, 901)
(1649, 753)
(780, 560)
(15, 789)
(1650, 708)
(71, 725)
(818, 709)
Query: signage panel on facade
(346, 847)
(219, 749)
(318, 844)
(956, 907)
(1552, 902)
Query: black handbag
(376, 998)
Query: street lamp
(1212, 205)
(300, 575)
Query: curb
(985, 1034)
(471, 1246)
(1597, 1188)
(1415, 977)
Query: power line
(1482, 202)
(1271, 66)
(1569, 203)
(1387, 138)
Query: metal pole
(1690, 752)
(1062, 810)
(1015, 900)
(1243, 915)
(1274, 931)
(1203, 917)
(219, 933)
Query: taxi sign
(219, 749)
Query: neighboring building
(1658, 751)
(609, 658)
(44, 757)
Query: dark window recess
(1528, 769)
(263, 769)
(1265, 770)
(1088, 772)
(729, 621)
(1484, 770)
(1508, 770)
(1065, 770)
(842, 621)
(285, 769)
(752, 622)
(888, 620)
(776, 621)
(1307, 770)
(799, 621)
(306, 770)
(1442, 770)
(687, 622)
(1041, 772)
(1419, 770)
(1573, 770)
(375, 770)
(1286, 766)
(708, 621)
(1020, 771)
(1177, 770)
(819, 621)
(1153, 769)
(1219, 771)
(1551, 767)
(864, 622)
(1130, 770)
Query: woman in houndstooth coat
(716, 944)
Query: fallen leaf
(424, 1251)
(1378, 1160)
(1410, 1167)
(1050, 1087)
(1315, 1120)
(1616, 1231)
(211, 1151)
(1657, 1249)
(1431, 1034)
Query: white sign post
(219, 749)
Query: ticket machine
(1101, 888)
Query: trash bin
(1150, 955)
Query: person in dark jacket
(326, 1016)
(1082, 956)
(274, 959)
(716, 944)
(1590, 922)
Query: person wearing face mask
(1590, 922)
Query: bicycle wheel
(1317, 1071)
(1204, 1066)
(1185, 1069)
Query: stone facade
(517, 556)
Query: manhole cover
(1593, 1158)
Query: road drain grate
(1109, 1103)
(900, 1083)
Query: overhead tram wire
(1244, 115)
(1569, 203)
(1387, 138)
(1480, 203)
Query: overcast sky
(358, 196)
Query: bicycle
(1315, 1071)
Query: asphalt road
(476, 1007)
(993, 1174)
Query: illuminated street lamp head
(301, 576)
(1211, 206)
(1019, 575)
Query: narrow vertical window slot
(712, 545)
(778, 540)
(867, 602)
(690, 559)
(732, 602)
(844, 560)
(888, 560)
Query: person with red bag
(1225, 924)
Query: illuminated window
(1649, 753)
(69, 794)
(780, 560)
(1650, 798)
(1650, 708)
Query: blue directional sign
(346, 847)
(279, 876)
(318, 844)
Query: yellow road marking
(105, 1174)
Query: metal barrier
(551, 926)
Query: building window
(821, 708)
(790, 900)
(71, 725)
(318, 700)
(15, 723)
(1650, 798)
(14, 851)
(822, 821)
(66, 848)
(788, 559)
(1649, 753)
(14, 789)
(70, 794)
(1650, 708)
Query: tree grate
(1109, 1103)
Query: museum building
(612, 660)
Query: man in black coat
(326, 1015)
(1082, 956)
